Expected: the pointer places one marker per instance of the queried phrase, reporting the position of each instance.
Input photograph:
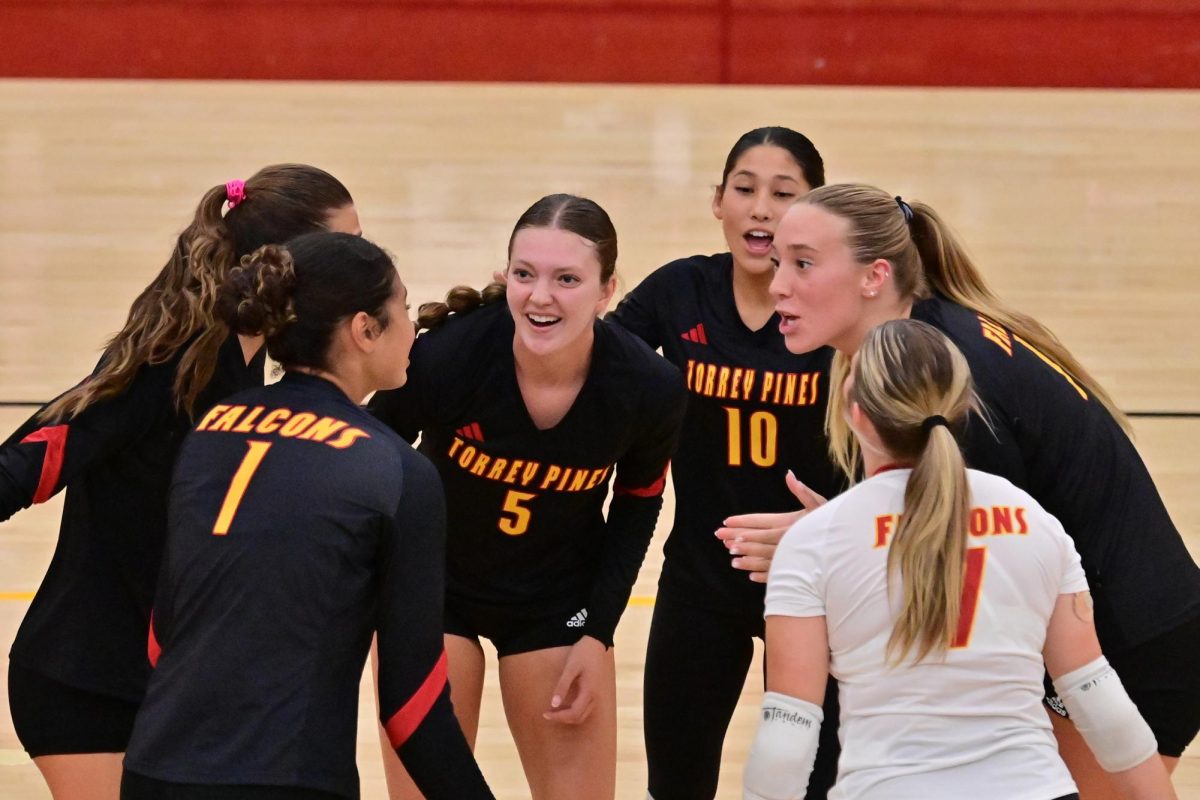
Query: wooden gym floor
(1080, 206)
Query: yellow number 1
(237, 487)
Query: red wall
(1101, 43)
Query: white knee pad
(784, 749)
(1105, 716)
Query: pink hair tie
(235, 192)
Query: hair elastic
(235, 192)
(929, 423)
(906, 208)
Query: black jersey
(1053, 439)
(298, 526)
(87, 624)
(754, 411)
(526, 505)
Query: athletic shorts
(54, 719)
(139, 787)
(517, 632)
(1162, 677)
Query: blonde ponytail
(915, 387)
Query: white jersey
(971, 725)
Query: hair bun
(256, 298)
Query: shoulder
(952, 319)
(699, 272)
(631, 359)
(874, 495)
(990, 489)
(462, 335)
(987, 345)
(389, 460)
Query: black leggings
(696, 665)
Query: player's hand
(752, 538)
(499, 277)
(575, 693)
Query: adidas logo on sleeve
(579, 620)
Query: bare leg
(465, 665)
(561, 761)
(82, 776)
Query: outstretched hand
(752, 538)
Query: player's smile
(554, 290)
(542, 321)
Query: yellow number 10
(763, 430)
(237, 487)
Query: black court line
(1164, 414)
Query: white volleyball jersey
(971, 724)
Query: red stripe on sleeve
(55, 438)
(405, 721)
(700, 330)
(653, 490)
(153, 650)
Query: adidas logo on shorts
(578, 620)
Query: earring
(872, 293)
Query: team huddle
(924, 505)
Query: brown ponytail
(177, 309)
(459, 300)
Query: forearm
(628, 531)
(1147, 781)
(438, 758)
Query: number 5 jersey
(526, 506)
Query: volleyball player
(78, 666)
(939, 591)
(852, 257)
(529, 409)
(755, 417)
(298, 526)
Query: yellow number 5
(519, 522)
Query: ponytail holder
(235, 192)
(906, 208)
(930, 423)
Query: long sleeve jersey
(1052, 438)
(754, 411)
(527, 505)
(86, 626)
(299, 526)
